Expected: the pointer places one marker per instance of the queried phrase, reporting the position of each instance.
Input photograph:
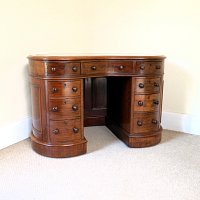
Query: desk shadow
(98, 137)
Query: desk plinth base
(59, 150)
(136, 140)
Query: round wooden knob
(142, 67)
(140, 103)
(75, 130)
(158, 66)
(155, 102)
(53, 69)
(74, 107)
(74, 69)
(121, 67)
(55, 109)
(154, 121)
(56, 131)
(139, 123)
(54, 90)
(141, 85)
(93, 68)
(156, 84)
(74, 89)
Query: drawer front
(147, 85)
(145, 122)
(63, 68)
(62, 108)
(122, 66)
(55, 68)
(66, 130)
(147, 102)
(64, 88)
(93, 67)
(73, 68)
(149, 67)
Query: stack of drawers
(146, 103)
(65, 110)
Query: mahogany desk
(70, 92)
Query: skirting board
(14, 133)
(181, 122)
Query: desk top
(66, 57)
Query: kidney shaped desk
(70, 92)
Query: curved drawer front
(91, 68)
(66, 130)
(147, 103)
(121, 67)
(64, 88)
(62, 108)
(147, 85)
(145, 122)
(62, 68)
(148, 67)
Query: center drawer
(122, 66)
(93, 67)
(65, 130)
(64, 108)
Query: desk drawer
(122, 66)
(64, 88)
(145, 67)
(147, 85)
(147, 103)
(62, 108)
(63, 68)
(145, 122)
(65, 130)
(93, 68)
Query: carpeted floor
(109, 171)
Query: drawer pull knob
(140, 103)
(141, 85)
(55, 109)
(74, 107)
(74, 89)
(155, 102)
(93, 68)
(56, 131)
(75, 130)
(121, 67)
(154, 121)
(142, 67)
(74, 69)
(139, 123)
(156, 84)
(158, 66)
(54, 90)
(53, 69)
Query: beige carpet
(109, 171)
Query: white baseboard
(181, 122)
(14, 133)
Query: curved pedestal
(144, 140)
(136, 140)
(59, 150)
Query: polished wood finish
(70, 92)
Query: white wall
(168, 27)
